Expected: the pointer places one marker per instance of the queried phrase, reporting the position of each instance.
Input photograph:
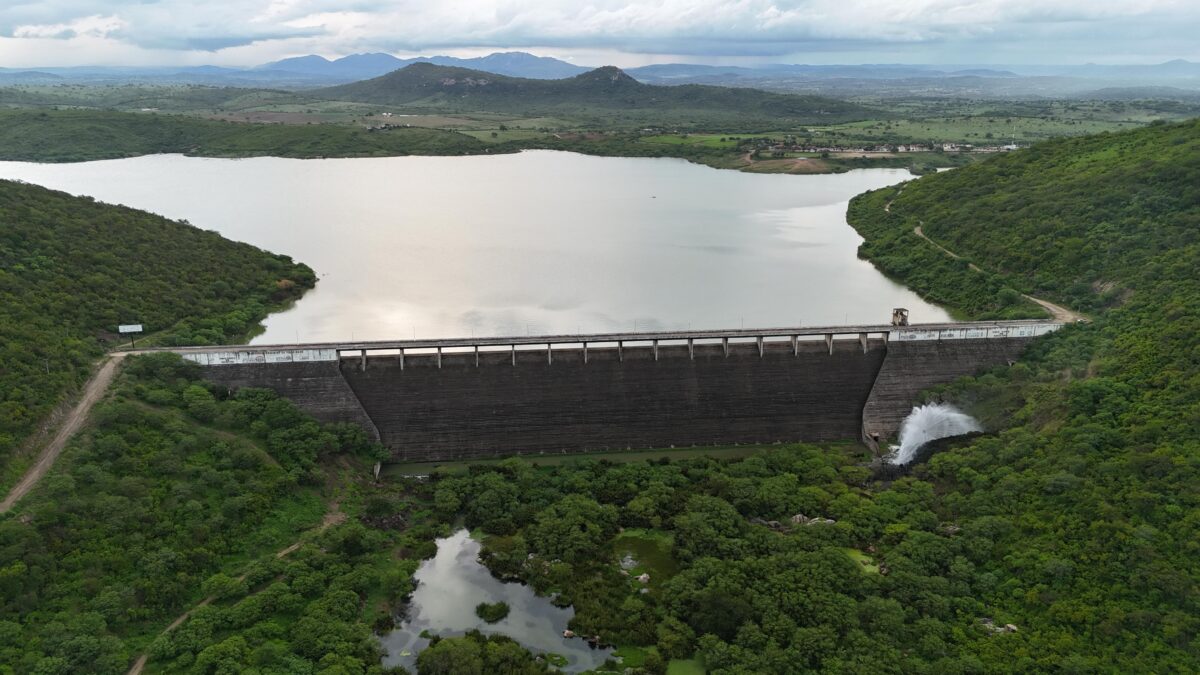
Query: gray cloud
(953, 30)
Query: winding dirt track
(333, 517)
(1059, 312)
(92, 391)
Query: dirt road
(1059, 312)
(921, 233)
(333, 517)
(92, 391)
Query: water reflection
(449, 587)
(537, 242)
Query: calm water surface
(449, 587)
(536, 242)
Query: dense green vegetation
(72, 269)
(491, 612)
(475, 653)
(749, 596)
(1091, 494)
(951, 282)
(1079, 220)
(135, 97)
(78, 135)
(177, 494)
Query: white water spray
(928, 423)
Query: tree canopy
(73, 269)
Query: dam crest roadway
(320, 351)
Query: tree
(222, 586)
(224, 658)
(451, 656)
(200, 403)
(575, 529)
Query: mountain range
(365, 66)
(603, 92)
(313, 71)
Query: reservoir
(529, 243)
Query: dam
(469, 398)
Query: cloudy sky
(593, 32)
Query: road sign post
(131, 329)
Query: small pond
(648, 552)
(453, 582)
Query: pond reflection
(453, 582)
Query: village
(790, 145)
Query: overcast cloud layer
(625, 32)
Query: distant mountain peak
(606, 74)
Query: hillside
(171, 496)
(1077, 220)
(603, 92)
(1089, 497)
(81, 135)
(72, 269)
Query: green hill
(1085, 509)
(604, 92)
(1078, 220)
(72, 269)
(81, 135)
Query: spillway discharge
(928, 423)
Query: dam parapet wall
(459, 399)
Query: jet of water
(928, 423)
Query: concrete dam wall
(460, 410)
(631, 392)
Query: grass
(722, 141)
(633, 657)
(972, 122)
(685, 667)
(503, 136)
(865, 562)
(427, 468)
(652, 551)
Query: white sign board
(236, 358)
(973, 332)
(129, 328)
